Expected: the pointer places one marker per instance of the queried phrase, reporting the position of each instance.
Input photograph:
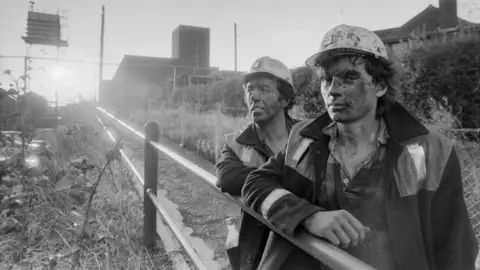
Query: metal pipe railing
(159, 208)
(325, 252)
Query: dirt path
(198, 211)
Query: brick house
(434, 24)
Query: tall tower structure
(187, 41)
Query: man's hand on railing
(338, 227)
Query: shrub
(447, 75)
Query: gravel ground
(199, 211)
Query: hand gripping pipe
(327, 253)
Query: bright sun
(57, 73)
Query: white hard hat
(346, 39)
(270, 66)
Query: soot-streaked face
(262, 98)
(348, 90)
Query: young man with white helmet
(366, 176)
(269, 94)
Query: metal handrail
(160, 209)
(325, 252)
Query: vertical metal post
(25, 75)
(235, 43)
(150, 173)
(57, 82)
(100, 65)
(182, 125)
(198, 91)
(174, 79)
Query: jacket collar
(249, 136)
(396, 120)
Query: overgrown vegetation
(444, 75)
(70, 204)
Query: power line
(62, 60)
(105, 63)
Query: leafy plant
(444, 75)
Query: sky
(289, 31)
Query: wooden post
(150, 173)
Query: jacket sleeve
(264, 193)
(231, 172)
(455, 244)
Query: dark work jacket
(243, 152)
(427, 218)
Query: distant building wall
(184, 45)
(399, 49)
(142, 78)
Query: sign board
(44, 29)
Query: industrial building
(142, 77)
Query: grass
(45, 226)
(200, 132)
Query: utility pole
(235, 42)
(25, 74)
(100, 71)
(94, 97)
(198, 91)
(196, 55)
(56, 86)
(25, 70)
(18, 104)
(174, 79)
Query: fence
(468, 152)
(319, 249)
(201, 131)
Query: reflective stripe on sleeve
(272, 198)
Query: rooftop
(428, 20)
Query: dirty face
(348, 90)
(263, 99)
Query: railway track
(198, 212)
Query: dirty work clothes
(242, 153)
(361, 194)
(424, 208)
